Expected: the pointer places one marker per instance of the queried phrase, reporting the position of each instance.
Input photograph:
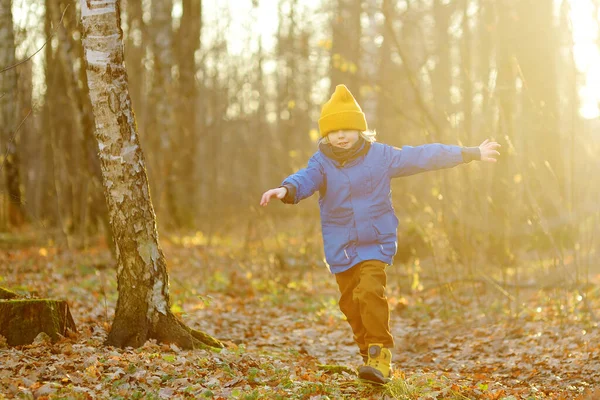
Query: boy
(352, 174)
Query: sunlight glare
(587, 57)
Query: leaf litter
(285, 338)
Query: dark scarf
(342, 156)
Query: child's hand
(488, 151)
(269, 194)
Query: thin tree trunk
(442, 74)
(485, 45)
(185, 166)
(499, 250)
(345, 47)
(386, 79)
(66, 61)
(60, 113)
(29, 154)
(162, 96)
(467, 74)
(543, 142)
(143, 308)
(136, 40)
(48, 170)
(466, 135)
(261, 128)
(286, 76)
(8, 120)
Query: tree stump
(22, 320)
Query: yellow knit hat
(341, 112)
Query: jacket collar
(345, 157)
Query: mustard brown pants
(364, 304)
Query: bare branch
(38, 50)
(411, 77)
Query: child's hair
(369, 136)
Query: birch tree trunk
(143, 308)
(8, 108)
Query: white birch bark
(143, 310)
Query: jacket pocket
(385, 225)
(339, 250)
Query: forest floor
(281, 323)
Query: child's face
(343, 139)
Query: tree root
(170, 329)
(206, 339)
(167, 329)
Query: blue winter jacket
(357, 218)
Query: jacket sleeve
(429, 157)
(305, 182)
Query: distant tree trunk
(537, 43)
(81, 124)
(304, 88)
(46, 199)
(345, 46)
(136, 40)
(260, 126)
(282, 124)
(499, 251)
(387, 79)
(288, 75)
(570, 114)
(143, 308)
(8, 120)
(442, 74)
(486, 24)
(467, 75)
(466, 247)
(184, 166)
(162, 94)
(61, 120)
(29, 154)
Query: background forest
(227, 96)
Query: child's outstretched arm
(429, 157)
(297, 186)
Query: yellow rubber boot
(378, 368)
